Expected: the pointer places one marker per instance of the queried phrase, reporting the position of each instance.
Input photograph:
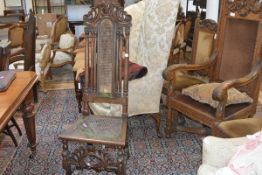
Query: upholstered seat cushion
(203, 93)
(241, 127)
(61, 57)
(66, 41)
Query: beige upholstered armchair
(64, 53)
(219, 154)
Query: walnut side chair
(101, 139)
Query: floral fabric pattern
(150, 41)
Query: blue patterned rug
(179, 155)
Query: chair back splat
(107, 35)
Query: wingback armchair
(236, 64)
(153, 24)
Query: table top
(11, 99)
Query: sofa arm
(218, 151)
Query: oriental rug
(178, 155)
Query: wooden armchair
(203, 44)
(236, 64)
(103, 137)
(64, 53)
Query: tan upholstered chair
(187, 24)
(236, 64)
(64, 53)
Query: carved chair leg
(9, 132)
(65, 161)
(78, 94)
(121, 161)
(169, 123)
(35, 92)
(157, 120)
(17, 126)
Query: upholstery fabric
(184, 81)
(242, 156)
(151, 36)
(45, 56)
(62, 57)
(16, 36)
(204, 50)
(66, 41)
(203, 93)
(241, 127)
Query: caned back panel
(105, 56)
(238, 49)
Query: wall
(128, 2)
(2, 7)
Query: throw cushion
(203, 93)
(66, 41)
(247, 159)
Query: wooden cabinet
(49, 6)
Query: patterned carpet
(179, 155)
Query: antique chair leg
(121, 161)
(157, 119)
(16, 125)
(9, 132)
(65, 161)
(169, 123)
(78, 93)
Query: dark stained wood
(237, 64)
(4, 53)
(107, 30)
(20, 95)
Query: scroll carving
(245, 7)
(208, 24)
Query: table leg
(27, 108)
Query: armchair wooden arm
(169, 73)
(220, 93)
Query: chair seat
(185, 103)
(62, 57)
(241, 127)
(97, 129)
